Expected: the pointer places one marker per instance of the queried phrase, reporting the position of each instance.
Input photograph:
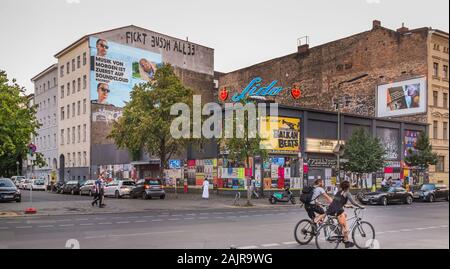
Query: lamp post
(339, 120)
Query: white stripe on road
(140, 221)
(135, 234)
(122, 222)
(203, 218)
(243, 216)
(202, 213)
(193, 214)
(13, 222)
(64, 220)
(289, 243)
(270, 245)
(132, 217)
(248, 247)
(177, 215)
(46, 226)
(82, 219)
(23, 227)
(65, 225)
(157, 220)
(188, 218)
(104, 223)
(218, 217)
(86, 224)
(174, 219)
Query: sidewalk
(184, 202)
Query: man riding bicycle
(336, 208)
(311, 205)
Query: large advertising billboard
(283, 138)
(402, 98)
(116, 69)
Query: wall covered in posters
(402, 98)
(116, 68)
(389, 138)
(284, 138)
(410, 141)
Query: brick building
(385, 55)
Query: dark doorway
(62, 167)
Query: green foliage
(365, 154)
(423, 156)
(146, 120)
(17, 124)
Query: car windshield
(39, 182)
(391, 189)
(153, 182)
(427, 187)
(128, 183)
(6, 183)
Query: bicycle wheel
(328, 237)
(304, 231)
(363, 235)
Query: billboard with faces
(402, 98)
(116, 69)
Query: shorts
(312, 209)
(335, 212)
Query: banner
(284, 138)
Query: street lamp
(339, 120)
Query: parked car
(88, 188)
(38, 184)
(119, 188)
(9, 191)
(148, 188)
(431, 192)
(72, 187)
(16, 180)
(25, 184)
(387, 196)
(58, 186)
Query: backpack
(306, 195)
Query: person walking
(97, 186)
(205, 194)
(253, 187)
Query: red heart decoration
(296, 92)
(223, 94)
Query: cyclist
(336, 208)
(312, 207)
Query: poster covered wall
(116, 69)
(283, 138)
(410, 141)
(389, 138)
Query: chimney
(403, 29)
(303, 49)
(376, 24)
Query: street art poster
(116, 69)
(401, 98)
(282, 136)
(410, 141)
(389, 140)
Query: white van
(38, 184)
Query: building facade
(393, 68)
(46, 101)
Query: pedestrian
(205, 194)
(384, 183)
(97, 186)
(102, 192)
(253, 187)
(389, 181)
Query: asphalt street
(45, 196)
(420, 225)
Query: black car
(431, 192)
(387, 196)
(72, 187)
(9, 191)
(148, 188)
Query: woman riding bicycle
(336, 208)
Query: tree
(17, 124)
(422, 156)
(241, 149)
(364, 153)
(146, 119)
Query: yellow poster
(280, 134)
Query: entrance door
(62, 167)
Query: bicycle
(330, 235)
(305, 230)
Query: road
(44, 196)
(420, 225)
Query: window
(440, 164)
(79, 158)
(435, 69)
(54, 119)
(78, 107)
(44, 87)
(73, 86)
(54, 139)
(435, 98)
(48, 85)
(61, 71)
(43, 107)
(435, 129)
(78, 61)
(68, 89)
(48, 102)
(84, 82)
(445, 100)
(73, 65)
(84, 58)
(84, 158)
(444, 130)
(73, 109)
(68, 159)
(79, 133)
(84, 106)
(74, 160)
(445, 72)
(79, 84)
(62, 91)
(73, 135)
(54, 82)
(68, 135)
(54, 100)
(68, 111)
(68, 68)
(84, 132)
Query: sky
(242, 32)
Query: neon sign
(254, 88)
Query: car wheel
(408, 200)
(144, 196)
(117, 195)
(162, 197)
(431, 199)
(383, 201)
